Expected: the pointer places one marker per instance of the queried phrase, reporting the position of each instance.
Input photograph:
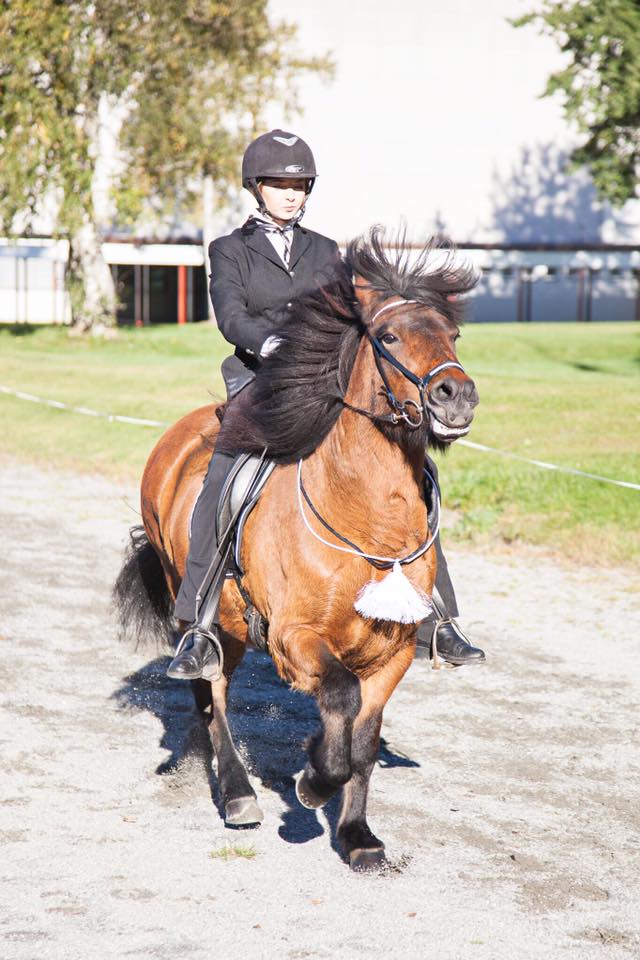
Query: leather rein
(407, 410)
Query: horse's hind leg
(238, 796)
(362, 848)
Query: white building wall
(435, 117)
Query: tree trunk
(208, 225)
(90, 283)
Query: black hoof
(243, 812)
(306, 795)
(367, 861)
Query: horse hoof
(243, 812)
(308, 797)
(367, 861)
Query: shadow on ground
(270, 724)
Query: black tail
(140, 594)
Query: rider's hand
(270, 344)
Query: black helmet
(277, 154)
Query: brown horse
(325, 406)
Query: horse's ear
(365, 293)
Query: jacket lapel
(300, 243)
(259, 242)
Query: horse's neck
(364, 478)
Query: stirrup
(434, 638)
(210, 671)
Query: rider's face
(283, 198)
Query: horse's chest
(367, 647)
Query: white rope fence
(548, 466)
(87, 411)
(140, 422)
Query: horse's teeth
(440, 429)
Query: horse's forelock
(433, 275)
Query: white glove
(271, 343)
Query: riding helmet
(277, 154)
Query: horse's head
(411, 320)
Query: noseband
(402, 409)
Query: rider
(255, 272)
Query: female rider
(255, 272)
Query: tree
(166, 63)
(600, 85)
(183, 140)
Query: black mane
(295, 398)
(392, 267)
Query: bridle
(399, 413)
(402, 410)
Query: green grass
(159, 374)
(235, 852)
(565, 393)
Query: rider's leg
(451, 643)
(198, 653)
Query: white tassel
(394, 598)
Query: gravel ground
(507, 793)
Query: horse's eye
(389, 338)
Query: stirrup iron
(210, 671)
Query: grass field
(564, 393)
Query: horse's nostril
(447, 389)
(470, 393)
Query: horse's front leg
(362, 848)
(311, 666)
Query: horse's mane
(295, 398)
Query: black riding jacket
(251, 288)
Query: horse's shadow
(270, 724)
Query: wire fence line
(142, 422)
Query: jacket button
(289, 304)
(292, 273)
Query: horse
(346, 502)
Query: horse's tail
(141, 598)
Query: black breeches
(203, 538)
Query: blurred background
(510, 126)
(124, 129)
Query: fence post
(137, 294)
(182, 294)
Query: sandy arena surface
(507, 794)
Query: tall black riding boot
(199, 653)
(441, 626)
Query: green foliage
(192, 76)
(600, 85)
(56, 61)
(216, 68)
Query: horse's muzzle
(451, 403)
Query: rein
(381, 563)
(401, 409)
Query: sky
(429, 117)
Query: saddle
(240, 493)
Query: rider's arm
(229, 298)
